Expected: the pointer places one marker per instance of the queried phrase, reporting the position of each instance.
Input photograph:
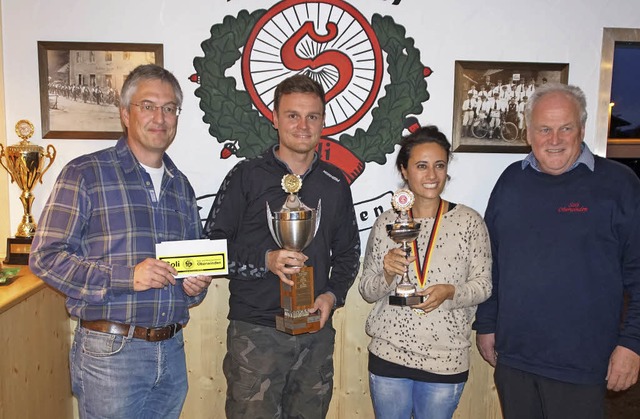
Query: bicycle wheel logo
(329, 41)
(336, 47)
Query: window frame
(613, 147)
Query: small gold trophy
(25, 164)
(404, 230)
(293, 228)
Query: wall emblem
(331, 42)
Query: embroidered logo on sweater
(573, 207)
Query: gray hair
(573, 92)
(148, 72)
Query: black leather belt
(154, 334)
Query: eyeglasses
(149, 108)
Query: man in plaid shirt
(96, 244)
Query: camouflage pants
(271, 374)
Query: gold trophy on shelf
(293, 228)
(403, 231)
(25, 163)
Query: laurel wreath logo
(232, 119)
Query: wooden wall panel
(34, 361)
(205, 347)
(351, 384)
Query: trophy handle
(51, 154)
(3, 155)
(270, 224)
(318, 216)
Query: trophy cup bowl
(293, 228)
(25, 163)
(403, 234)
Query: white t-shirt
(156, 174)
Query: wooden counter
(34, 350)
(22, 287)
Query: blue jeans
(122, 377)
(401, 397)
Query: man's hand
(194, 285)
(153, 273)
(624, 365)
(487, 346)
(324, 303)
(285, 262)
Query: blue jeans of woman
(123, 377)
(400, 398)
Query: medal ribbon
(422, 271)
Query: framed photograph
(489, 101)
(80, 86)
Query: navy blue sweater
(564, 247)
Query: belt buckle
(154, 334)
(159, 333)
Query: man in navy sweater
(565, 235)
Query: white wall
(568, 31)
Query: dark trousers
(529, 396)
(271, 374)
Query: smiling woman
(419, 362)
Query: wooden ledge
(25, 285)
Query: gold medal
(291, 183)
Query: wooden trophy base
(412, 300)
(295, 301)
(18, 249)
(298, 325)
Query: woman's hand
(436, 295)
(395, 263)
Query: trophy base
(412, 300)
(298, 325)
(295, 301)
(18, 249)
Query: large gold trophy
(293, 228)
(26, 166)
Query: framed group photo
(489, 102)
(80, 84)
